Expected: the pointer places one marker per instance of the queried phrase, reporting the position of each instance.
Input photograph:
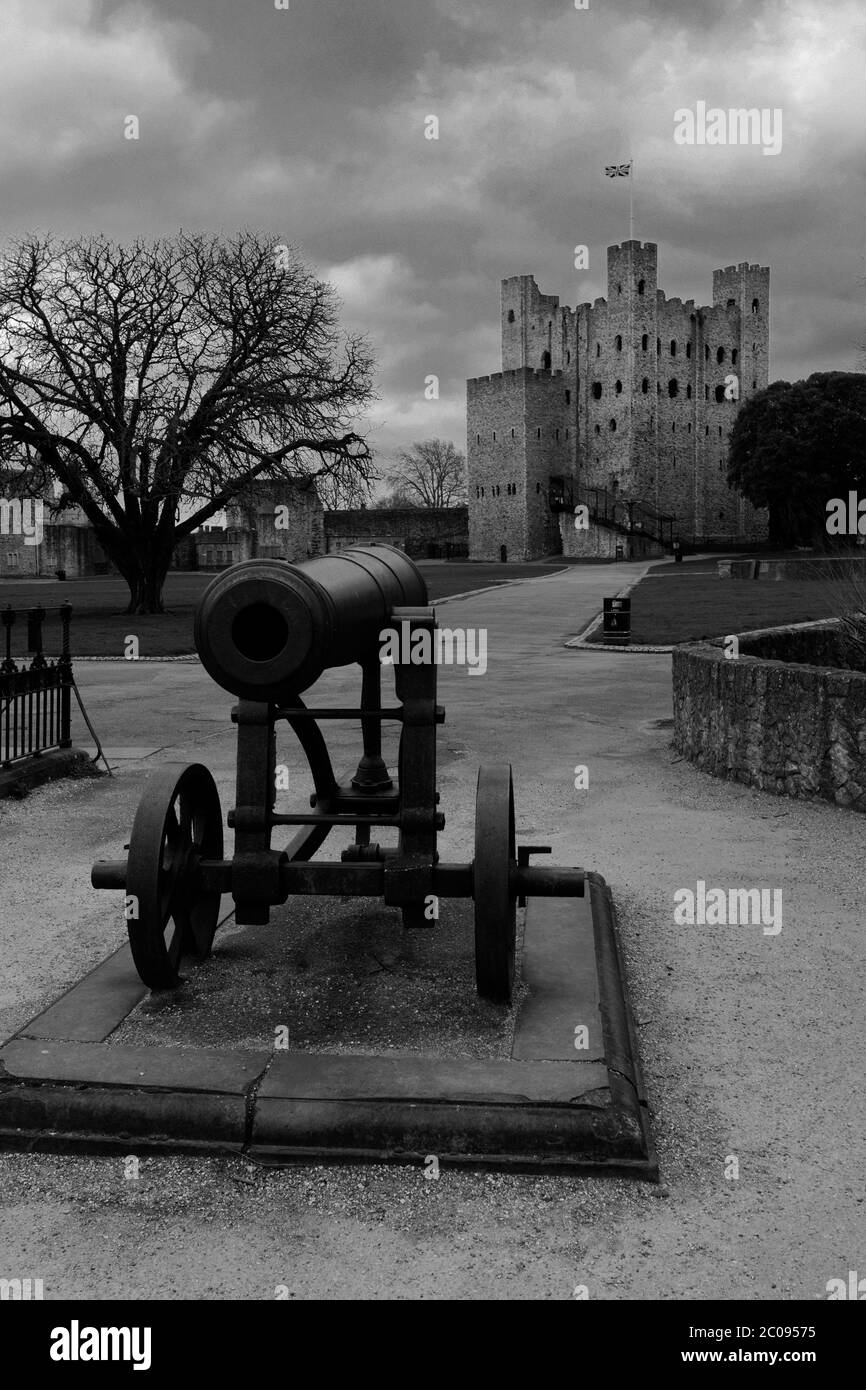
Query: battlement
(628, 387)
(513, 372)
(641, 246)
(744, 265)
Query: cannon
(266, 630)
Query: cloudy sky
(308, 122)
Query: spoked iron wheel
(495, 890)
(178, 823)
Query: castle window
(566, 434)
(706, 352)
(720, 431)
(688, 393)
(706, 393)
(482, 492)
(754, 386)
(754, 306)
(557, 436)
(644, 342)
(641, 286)
(613, 425)
(619, 289)
(596, 390)
(478, 439)
(659, 346)
(707, 430)
(688, 349)
(512, 434)
(478, 492)
(690, 429)
(510, 315)
(673, 387)
(568, 398)
(674, 427)
(538, 487)
(732, 303)
(619, 342)
(598, 349)
(598, 429)
(721, 516)
(720, 355)
(673, 347)
(644, 386)
(567, 359)
(545, 361)
(734, 356)
(618, 388)
(494, 436)
(720, 394)
(538, 433)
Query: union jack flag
(618, 171)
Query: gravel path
(752, 1044)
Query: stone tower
(631, 397)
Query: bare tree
(156, 381)
(430, 474)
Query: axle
(367, 880)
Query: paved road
(752, 1045)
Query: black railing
(631, 517)
(35, 700)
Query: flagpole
(631, 200)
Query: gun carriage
(266, 630)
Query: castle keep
(625, 404)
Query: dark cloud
(310, 122)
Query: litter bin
(616, 624)
(678, 552)
(620, 552)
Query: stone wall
(420, 531)
(73, 549)
(597, 542)
(774, 717)
(838, 568)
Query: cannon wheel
(494, 889)
(177, 824)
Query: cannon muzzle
(267, 630)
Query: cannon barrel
(266, 629)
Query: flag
(618, 171)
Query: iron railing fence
(630, 517)
(35, 697)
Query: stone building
(280, 520)
(66, 540)
(423, 532)
(626, 405)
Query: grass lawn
(100, 627)
(685, 605)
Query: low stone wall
(839, 568)
(790, 726)
(598, 542)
